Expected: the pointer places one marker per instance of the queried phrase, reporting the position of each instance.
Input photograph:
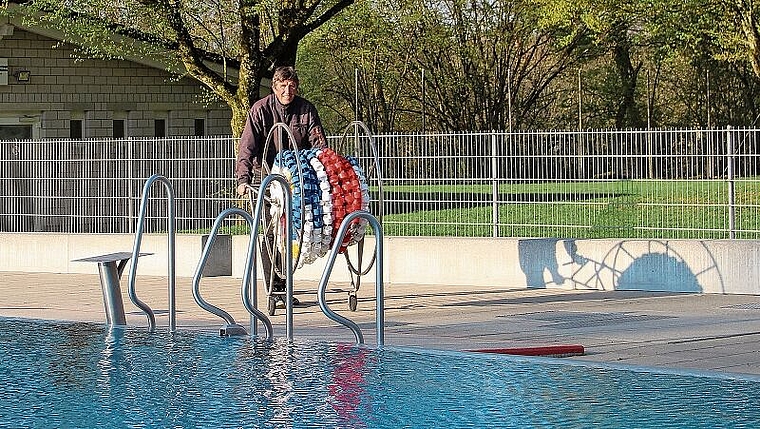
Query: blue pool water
(83, 375)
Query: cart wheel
(272, 305)
(352, 302)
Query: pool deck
(657, 329)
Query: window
(159, 126)
(200, 127)
(75, 129)
(118, 128)
(15, 132)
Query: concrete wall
(714, 266)
(57, 253)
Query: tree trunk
(239, 113)
(749, 26)
(627, 114)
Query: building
(89, 119)
(47, 92)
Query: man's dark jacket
(299, 115)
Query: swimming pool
(83, 375)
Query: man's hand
(317, 138)
(242, 189)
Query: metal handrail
(357, 269)
(379, 291)
(248, 294)
(172, 254)
(285, 184)
(267, 169)
(356, 125)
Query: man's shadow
(538, 255)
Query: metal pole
(708, 99)
(580, 105)
(423, 101)
(710, 159)
(509, 97)
(494, 187)
(649, 107)
(356, 94)
(172, 293)
(731, 184)
(130, 186)
(650, 160)
(112, 301)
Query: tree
(229, 46)
(362, 66)
(620, 30)
(475, 55)
(731, 25)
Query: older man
(286, 106)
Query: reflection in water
(74, 346)
(347, 385)
(279, 390)
(110, 361)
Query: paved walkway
(673, 330)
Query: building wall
(62, 88)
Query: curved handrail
(265, 182)
(232, 327)
(379, 296)
(172, 258)
(375, 157)
(356, 125)
(267, 170)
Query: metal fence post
(131, 211)
(731, 184)
(494, 186)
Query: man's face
(285, 91)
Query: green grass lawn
(613, 209)
(696, 209)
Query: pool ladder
(171, 251)
(248, 289)
(249, 294)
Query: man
(286, 106)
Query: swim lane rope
(332, 186)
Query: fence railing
(684, 183)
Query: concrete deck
(670, 330)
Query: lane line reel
(325, 187)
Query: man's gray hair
(284, 73)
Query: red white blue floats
(325, 187)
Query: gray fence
(592, 184)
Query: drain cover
(372, 325)
(576, 319)
(745, 306)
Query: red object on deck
(549, 351)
